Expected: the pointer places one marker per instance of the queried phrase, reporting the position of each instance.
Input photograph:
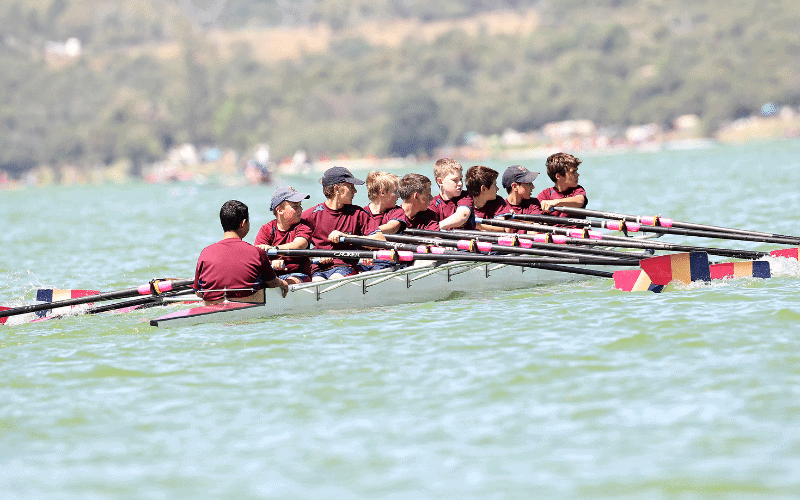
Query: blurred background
(97, 91)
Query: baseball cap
(518, 174)
(282, 194)
(336, 175)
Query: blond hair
(378, 181)
(445, 167)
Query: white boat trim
(423, 282)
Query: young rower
(415, 191)
(382, 194)
(518, 183)
(482, 186)
(232, 268)
(452, 206)
(335, 217)
(287, 231)
(562, 168)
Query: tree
(415, 126)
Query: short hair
(378, 181)
(558, 163)
(232, 214)
(412, 183)
(478, 176)
(328, 190)
(445, 167)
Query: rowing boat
(423, 282)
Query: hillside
(151, 73)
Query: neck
(231, 234)
(482, 199)
(409, 210)
(444, 195)
(377, 207)
(282, 224)
(334, 203)
(515, 198)
(561, 186)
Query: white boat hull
(375, 289)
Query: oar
(473, 245)
(657, 272)
(670, 223)
(598, 239)
(625, 227)
(441, 254)
(155, 287)
(522, 240)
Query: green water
(571, 391)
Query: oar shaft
(148, 289)
(617, 241)
(768, 237)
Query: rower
(335, 217)
(482, 186)
(453, 206)
(518, 183)
(287, 231)
(232, 268)
(382, 194)
(562, 168)
(415, 191)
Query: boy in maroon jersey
(382, 194)
(415, 191)
(518, 182)
(482, 186)
(335, 217)
(562, 168)
(453, 206)
(287, 231)
(232, 268)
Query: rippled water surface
(575, 390)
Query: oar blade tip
(746, 269)
(685, 267)
(791, 253)
(635, 280)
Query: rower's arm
(577, 201)
(458, 219)
(391, 227)
(496, 229)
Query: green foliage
(149, 78)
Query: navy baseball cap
(282, 194)
(518, 174)
(336, 175)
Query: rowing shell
(419, 283)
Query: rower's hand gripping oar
(155, 287)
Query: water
(570, 391)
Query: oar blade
(4, 319)
(57, 295)
(791, 253)
(685, 267)
(746, 269)
(635, 280)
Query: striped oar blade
(57, 295)
(754, 269)
(635, 280)
(791, 253)
(684, 267)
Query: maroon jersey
(445, 208)
(530, 206)
(426, 219)
(349, 219)
(269, 234)
(232, 264)
(493, 208)
(381, 218)
(552, 194)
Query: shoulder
(311, 212)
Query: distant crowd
(234, 269)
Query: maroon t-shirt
(530, 206)
(269, 234)
(426, 219)
(349, 219)
(380, 218)
(232, 264)
(551, 194)
(493, 208)
(445, 208)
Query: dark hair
(558, 163)
(412, 183)
(232, 214)
(478, 176)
